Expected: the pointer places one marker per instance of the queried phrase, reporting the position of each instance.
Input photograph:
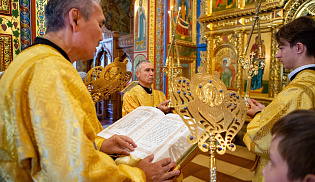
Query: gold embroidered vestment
(299, 94)
(48, 124)
(137, 96)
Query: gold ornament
(102, 82)
(204, 102)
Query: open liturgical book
(154, 133)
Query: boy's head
(292, 156)
(300, 30)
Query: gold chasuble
(137, 96)
(299, 94)
(48, 124)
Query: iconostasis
(227, 26)
(209, 33)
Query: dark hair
(140, 63)
(301, 30)
(56, 10)
(298, 144)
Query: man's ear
(137, 74)
(300, 47)
(74, 16)
(309, 178)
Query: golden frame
(5, 7)
(266, 37)
(192, 32)
(226, 53)
(6, 51)
(191, 68)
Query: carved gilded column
(240, 46)
(203, 56)
(209, 53)
(152, 31)
(275, 67)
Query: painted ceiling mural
(118, 14)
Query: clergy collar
(39, 40)
(148, 90)
(293, 74)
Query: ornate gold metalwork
(240, 11)
(275, 64)
(203, 10)
(204, 102)
(307, 7)
(250, 66)
(239, 75)
(203, 61)
(102, 82)
(291, 7)
(5, 7)
(6, 55)
(171, 70)
(209, 52)
(240, 20)
(152, 32)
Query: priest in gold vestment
(143, 94)
(296, 42)
(48, 122)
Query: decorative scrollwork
(102, 82)
(204, 102)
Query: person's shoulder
(39, 52)
(136, 88)
(133, 90)
(307, 72)
(304, 82)
(159, 92)
(305, 76)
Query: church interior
(194, 34)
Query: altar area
(210, 33)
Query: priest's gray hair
(56, 11)
(138, 66)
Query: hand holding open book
(165, 136)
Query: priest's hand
(163, 107)
(118, 144)
(158, 171)
(255, 107)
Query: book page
(153, 132)
(134, 124)
(168, 138)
